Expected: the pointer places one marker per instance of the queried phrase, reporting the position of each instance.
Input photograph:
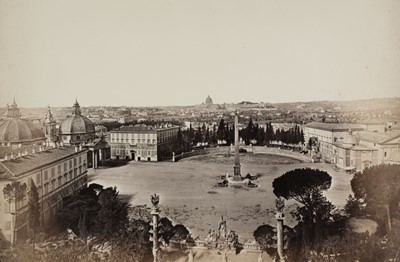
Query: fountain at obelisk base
(237, 179)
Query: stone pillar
(101, 155)
(224, 258)
(93, 159)
(279, 218)
(280, 204)
(260, 259)
(190, 256)
(155, 199)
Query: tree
(310, 143)
(112, 217)
(302, 136)
(378, 189)
(167, 229)
(264, 235)
(85, 202)
(180, 232)
(14, 192)
(207, 136)
(221, 132)
(198, 137)
(179, 143)
(134, 244)
(33, 217)
(306, 186)
(214, 136)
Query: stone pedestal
(236, 173)
(280, 245)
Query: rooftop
(377, 137)
(24, 164)
(144, 128)
(335, 127)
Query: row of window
(133, 141)
(144, 152)
(56, 183)
(130, 135)
(67, 166)
(167, 134)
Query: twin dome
(16, 130)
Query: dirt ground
(188, 194)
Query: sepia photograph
(199, 130)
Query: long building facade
(327, 134)
(56, 171)
(143, 142)
(354, 147)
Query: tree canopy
(14, 191)
(95, 210)
(301, 184)
(33, 217)
(377, 191)
(306, 185)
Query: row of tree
(252, 134)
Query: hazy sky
(176, 52)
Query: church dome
(14, 129)
(77, 124)
(17, 130)
(209, 100)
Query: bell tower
(13, 111)
(77, 108)
(50, 128)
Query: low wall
(281, 152)
(249, 149)
(200, 152)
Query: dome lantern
(77, 108)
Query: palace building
(354, 147)
(143, 142)
(56, 172)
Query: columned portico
(99, 151)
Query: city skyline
(177, 52)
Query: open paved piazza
(188, 194)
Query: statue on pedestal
(280, 205)
(222, 228)
(155, 199)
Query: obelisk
(236, 167)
